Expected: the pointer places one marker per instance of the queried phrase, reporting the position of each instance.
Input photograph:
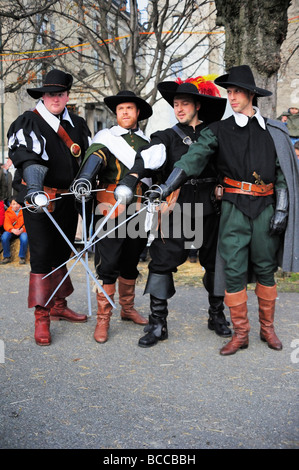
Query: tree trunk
(254, 32)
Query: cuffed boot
(60, 310)
(157, 327)
(126, 290)
(237, 303)
(216, 321)
(42, 333)
(104, 313)
(266, 299)
(40, 290)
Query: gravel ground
(179, 395)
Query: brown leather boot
(237, 303)
(42, 333)
(60, 310)
(126, 290)
(40, 290)
(266, 299)
(104, 313)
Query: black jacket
(200, 192)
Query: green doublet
(114, 170)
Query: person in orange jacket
(2, 214)
(13, 228)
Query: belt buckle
(243, 188)
(75, 150)
(187, 140)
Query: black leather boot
(216, 321)
(157, 327)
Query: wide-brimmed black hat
(241, 76)
(212, 107)
(55, 81)
(126, 96)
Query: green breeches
(243, 242)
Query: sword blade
(112, 230)
(86, 255)
(89, 244)
(80, 259)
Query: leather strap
(248, 193)
(74, 148)
(246, 188)
(201, 181)
(185, 138)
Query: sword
(86, 255)
(40, 203)
(75, 251)
(89, 244)
(87, 190)
(110, 231)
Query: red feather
(205, 87)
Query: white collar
(118, 131)
(242, 119)
(51, 119)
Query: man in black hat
(109, 159)
(193, 110)
(259, 213)
(45, 145)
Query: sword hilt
(81, 188)
(35, 202)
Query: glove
(279, 219)
(82, 185)
(176, 179)
(34, 176)
(125, 189)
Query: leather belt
(249, 189)
(248, 193)
(201, 181)
(48, 190)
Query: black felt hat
(212, 107)
(241, 76)
(126, 96)
(55, 81)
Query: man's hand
(17, 231)
(155, 193)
